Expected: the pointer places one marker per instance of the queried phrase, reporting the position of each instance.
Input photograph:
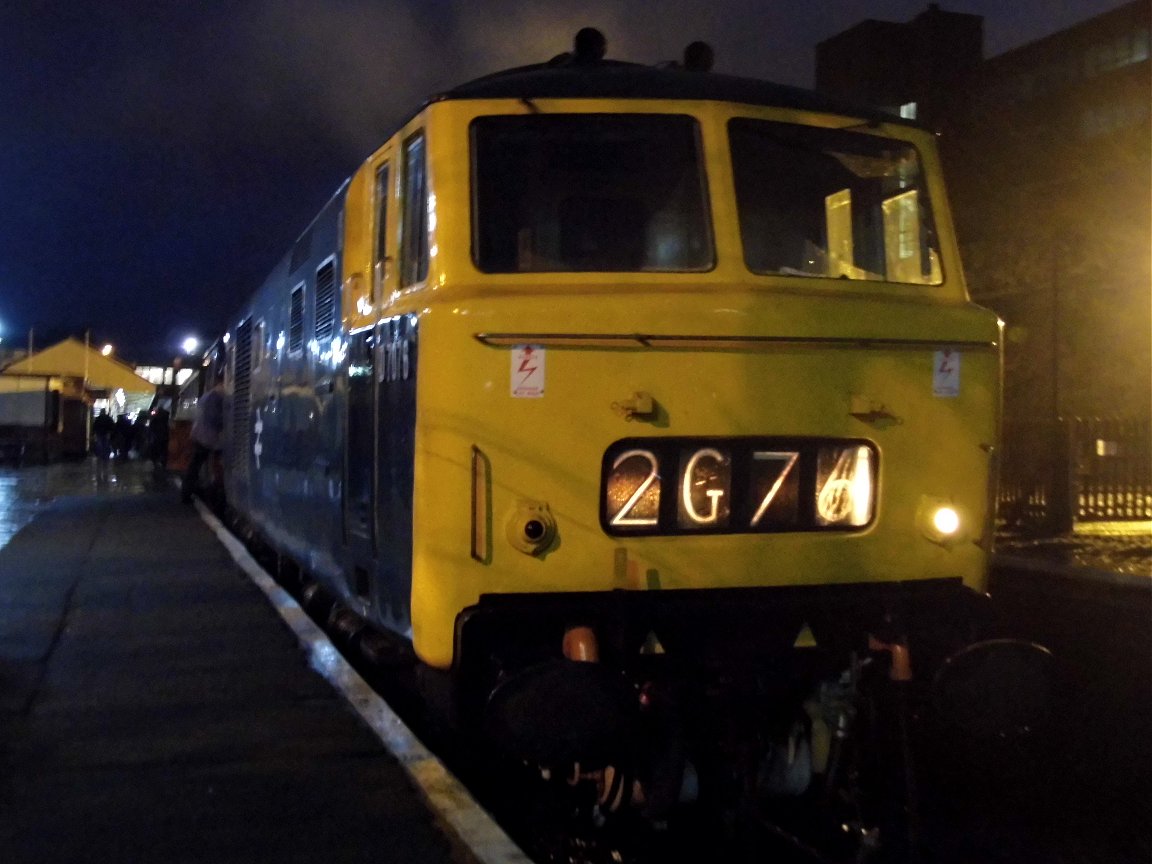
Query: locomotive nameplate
(737, 485)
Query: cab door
(360, 465)
(360, 447)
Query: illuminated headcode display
(737, 485)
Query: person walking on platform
(206, 432)
(158, 433)
(102, 429)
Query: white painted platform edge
(447, 796)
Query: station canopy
(73, 359)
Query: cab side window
(414, 229)
(381, 257)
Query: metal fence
(1114, 468)
(1076, 469)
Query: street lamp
(190, 345)
(106, 350)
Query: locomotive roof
(610, 79)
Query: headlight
(941, 521)
(946, 521)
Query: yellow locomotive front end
(703, 423)
(632, 379)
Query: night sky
(158, 157)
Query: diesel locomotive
(649, 408)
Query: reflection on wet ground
(26, 491)
(1115, 547)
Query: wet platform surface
(153, 706)
(24, 492)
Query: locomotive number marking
(739, 485)
(396, 365)
(623, 515)
(789, 460)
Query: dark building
(911, 69)
(1048, 152)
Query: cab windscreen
(589, 193)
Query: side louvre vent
(325, 301)
(241, 400)
(296, 321)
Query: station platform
(154, 706)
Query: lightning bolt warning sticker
(527, 372)
(946, 373)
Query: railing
(1076, 469)
(1113, 468)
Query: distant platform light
(190, 345)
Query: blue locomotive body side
(302, 434)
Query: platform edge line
(449, 799)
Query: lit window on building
(908, 110)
